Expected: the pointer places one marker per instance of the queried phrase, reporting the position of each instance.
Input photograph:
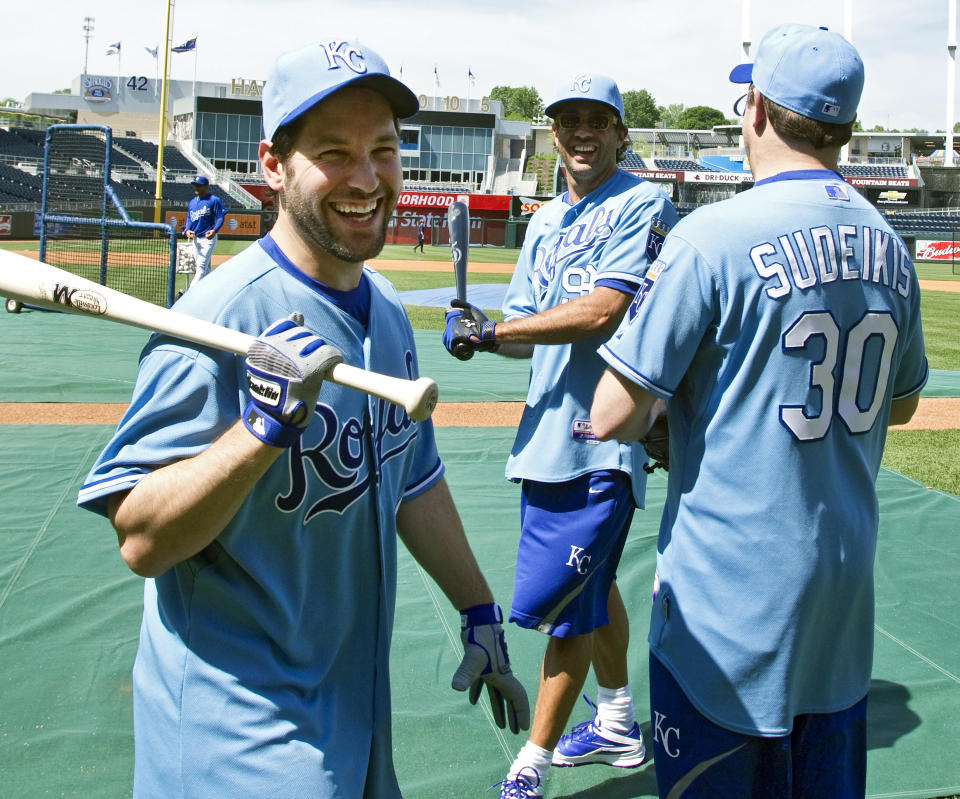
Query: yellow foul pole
(157, 194)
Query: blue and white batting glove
(468, 329)
(285, 369)
(485, 662)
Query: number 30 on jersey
(852, 374)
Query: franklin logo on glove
(265, 391)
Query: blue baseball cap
(811, 71)
(302, 78)
(200, 180)
(598, 88)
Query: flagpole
(158, 190)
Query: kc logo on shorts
(666, 734)
(578, 560)
(341, 54)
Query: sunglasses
(569, 120)
(740, 105)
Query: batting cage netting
(84, 227)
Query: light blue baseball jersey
(205, 214)
(610, 237)
(779, 324)
(263, 662)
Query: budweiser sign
(937, 250)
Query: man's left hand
(485, 662)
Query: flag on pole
(154, 51)
(186, 47)
(436, 76)
(471, 77)
(114, 49)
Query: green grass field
(931, 457)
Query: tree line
(640, 109)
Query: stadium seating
(682, 165)
(19, 147)
(146, 152)
(872, 171)
(19, 184)
(925, 224)
(633, 160)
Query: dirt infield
(934, 413)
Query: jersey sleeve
(913, 371)
(520, 299)
(175, 413)
(221, 214)
(427, 468)
(644, 219)
(662, 330)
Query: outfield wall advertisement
(933, 250)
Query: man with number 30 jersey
(782, 326)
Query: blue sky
(680, 51)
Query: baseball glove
(657, 444)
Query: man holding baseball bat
(263, 502)
(583, 258)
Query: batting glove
(285, 369)
(485, 662)
(468, 329)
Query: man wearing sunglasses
(583, 258)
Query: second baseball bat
(458, 224)
(46, 286)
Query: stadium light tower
(951, 79)
(744, 31)
(848, 35)
(87, 31)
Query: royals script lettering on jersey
(299, 589)
(608, 238)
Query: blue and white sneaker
(523, 785)
(588, 742)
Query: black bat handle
(463, 351)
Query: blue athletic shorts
(571, 539)
(825, 757)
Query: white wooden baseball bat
(45, 286)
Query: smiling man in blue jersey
(205, 215)
(263, 503)
(584, 256)
(782, 327)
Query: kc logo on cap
(581, 83)
(343, 54)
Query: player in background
(205, 215)
(421, 227)
(782, 327)
(263, 504)
(583, 258)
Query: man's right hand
(285, 369)
(468, 329)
